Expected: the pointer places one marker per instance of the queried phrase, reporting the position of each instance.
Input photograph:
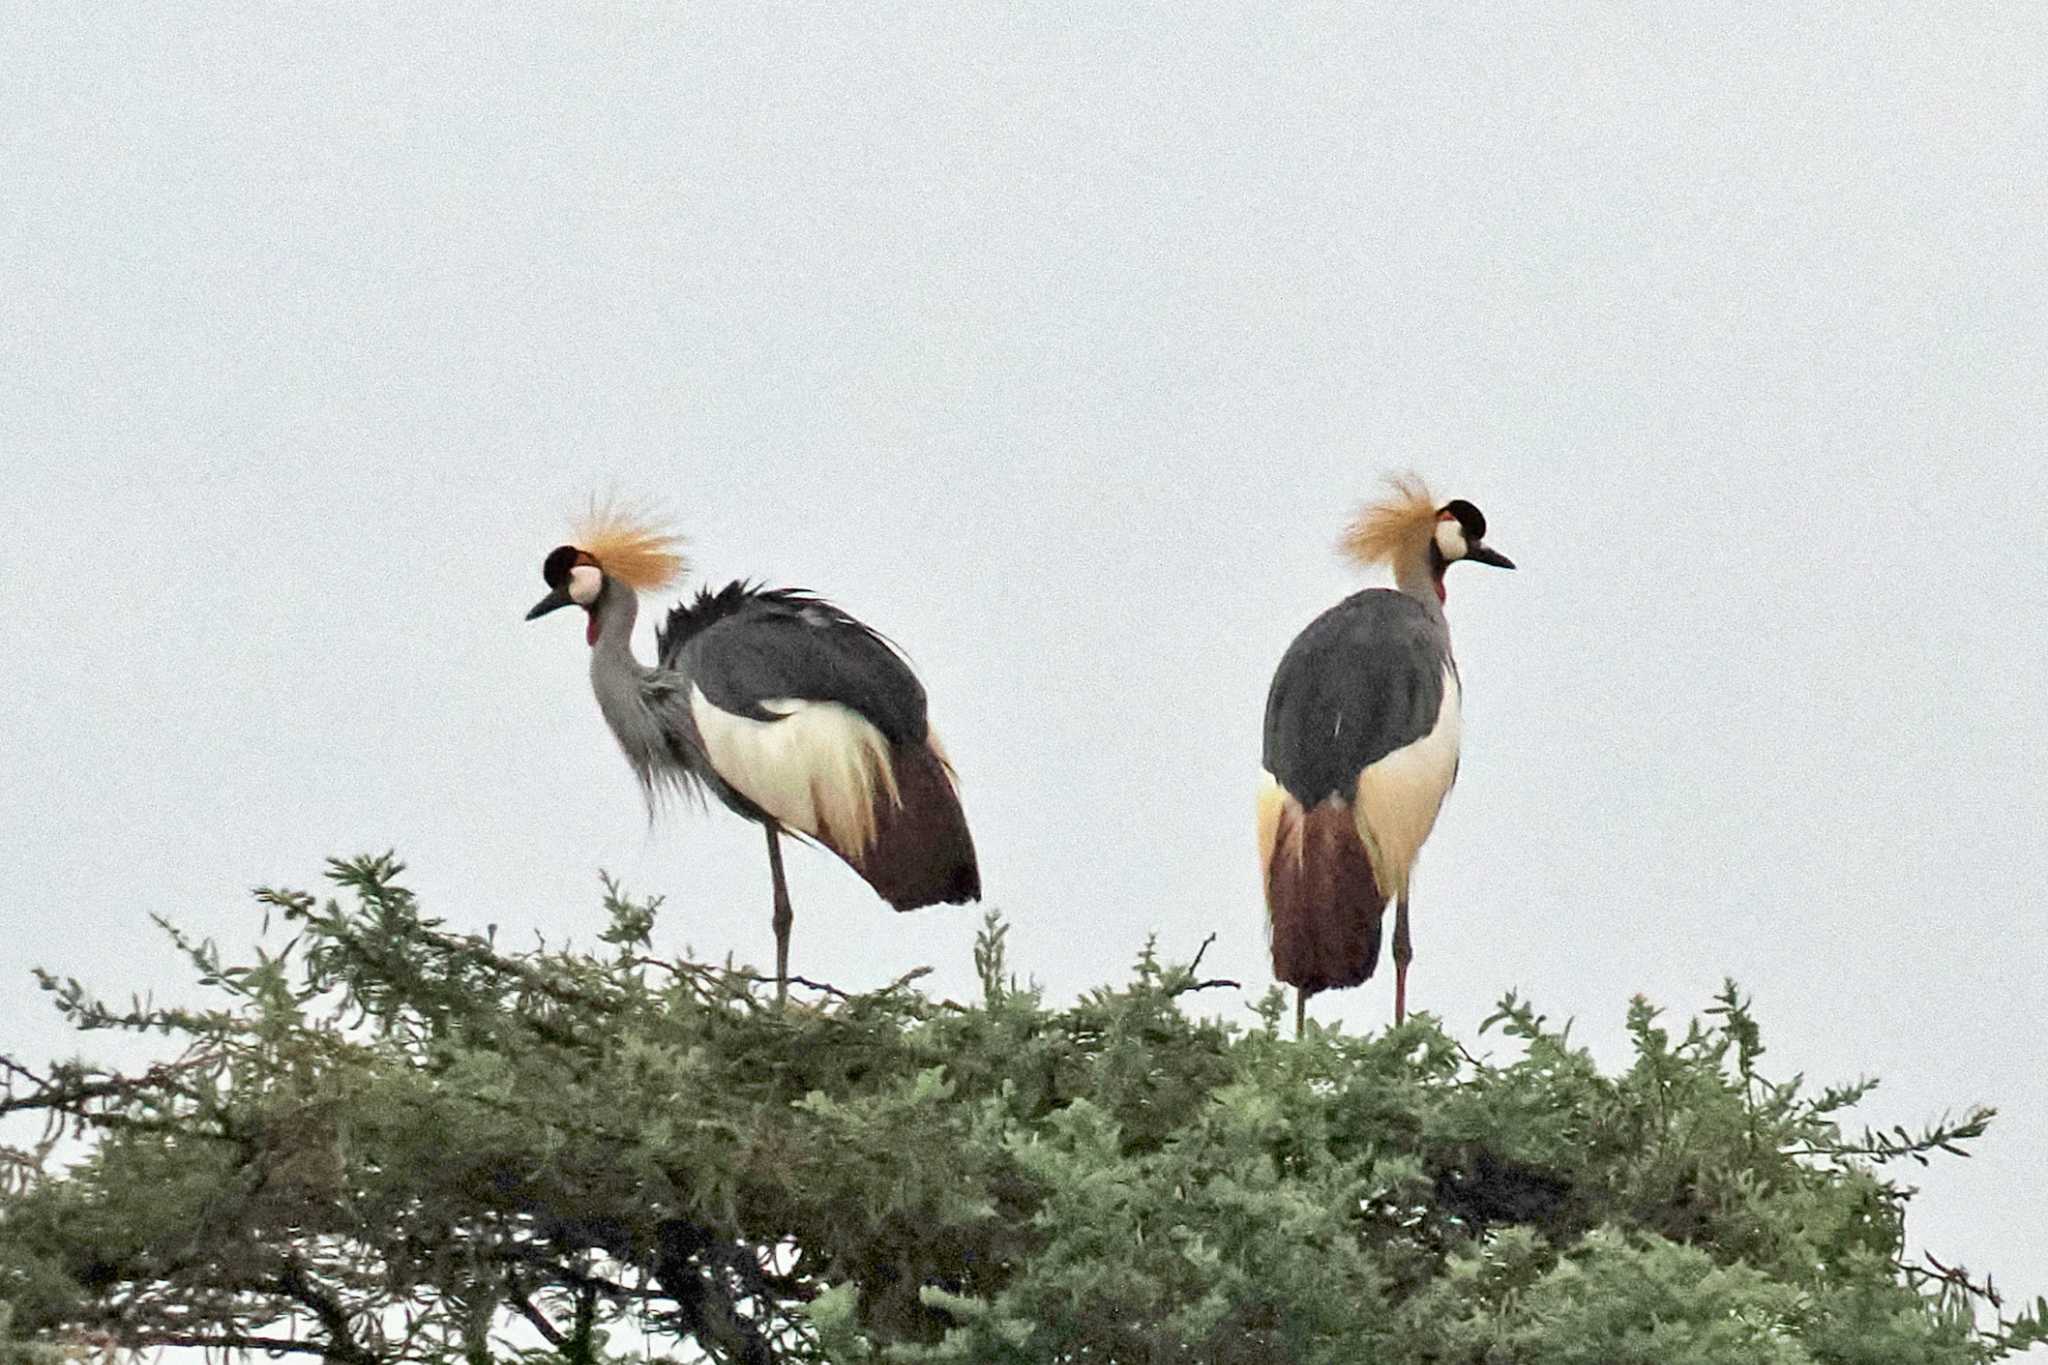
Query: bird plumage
(629, 545)
(1323, 905)
(815, 720)
(1393, 529)
(791, 712)
(742, 643)
(1361, 747)
(1363, 722)
(1363, 679)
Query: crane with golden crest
(1361, 748)
(791, 712)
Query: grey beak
(1488, 556)
(553, 601)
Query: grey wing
(810, 652)
(1362, 680)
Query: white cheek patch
(585, 582)
(1450, 538)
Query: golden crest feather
(1399, 524)
(629, 546)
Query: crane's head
(1411, 531)
(1460, 533)
(613, 547)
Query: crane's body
(789, 711)
(807, 720)
(1361, 748)
(1362, 730)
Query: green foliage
(389, 1141)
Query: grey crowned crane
(792, 713)
(1361, 748)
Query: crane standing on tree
(789, 711)
(1361, 748)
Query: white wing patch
(1273, 800)
(1399, 796)
(817, 770)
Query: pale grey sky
(1058, 343)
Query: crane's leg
(1300, 1010)
(783, 916)
(1404, 953)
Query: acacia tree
(389, 1142)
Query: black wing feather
(1362, 680)
(743, 645)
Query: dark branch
(139, 1338)
(580, 1339)
(341, 1340)
(1959, 1278)
(547, 1329)
(826, 988)
(70, 1099)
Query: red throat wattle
(590, 631)
(1439, 597)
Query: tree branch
(518, 1299)
(579, 1348)
(50, 1093)
(334, 1318)
(222, 1341)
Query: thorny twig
(70, 1097)
(826, 988)
(704, 973)
(1181, 980)
(1956, 1277)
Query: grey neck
(617, 608)
(621, 683)
(1421, 575)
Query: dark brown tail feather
(922, 853)
(1324, 905)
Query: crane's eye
(1450, 537)
(585, 582)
